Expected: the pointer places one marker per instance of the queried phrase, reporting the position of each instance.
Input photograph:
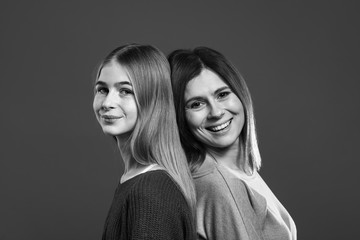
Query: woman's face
(214, 114)
(114, 102)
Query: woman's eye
(195, 105)
(101, 90)
(125, 91)
(223, 94)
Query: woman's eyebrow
(221, 89)
(101, 83)
(123, 83)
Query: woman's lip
(219, 124)
(220, 128)
(109, 117)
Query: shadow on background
(300, 59)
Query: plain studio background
(300, 59)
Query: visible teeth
(221, 127)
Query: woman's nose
(216, 111)
(109, 101)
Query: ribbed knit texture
(149, 206)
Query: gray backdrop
(300, 59)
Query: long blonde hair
(155, 138)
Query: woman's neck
(231, 157)
(133, 172)
(132, 167)
(125, 152)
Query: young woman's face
(214, 114)
(114, 102)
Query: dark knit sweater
(149, 206)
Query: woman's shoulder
(157, 186)
(214, 182)
(224, 203)
(155, 175)
(209, 182)
(153, 179)
(213, 174)
(208, 167)
(155, 203)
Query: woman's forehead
(113, 73)
(207, 82)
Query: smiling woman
(217, 129)
(155, 198)
(114, 102)
(214, 114)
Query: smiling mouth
(219, 127)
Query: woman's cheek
(195, 118)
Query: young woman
(217, 129)
(133, 103)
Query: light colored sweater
(236, 206)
